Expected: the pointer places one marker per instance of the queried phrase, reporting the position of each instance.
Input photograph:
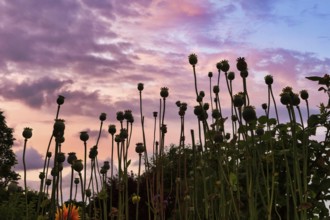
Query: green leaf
(314, 78)
(263, 119)
(128, 163)
(272, 121)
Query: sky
(96, 52)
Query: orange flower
(62, 213)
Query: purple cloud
(34, 160)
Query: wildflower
(27, 133)
(135, 199)
(63, 213)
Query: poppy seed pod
(48, 182)
(206, 106)
(183, 106)
(139, 148)
(164, 92)
(76, 181)
(199, 98)
(264, 106)
(304, 94)
(210, 74)
(112, 129)
(123, 133)
(269, 80)
(106, 165)
(215, 114)
(178, 103)
(120, 116)
(193, 59)
(231, 76)
(218, 65)
(60, 157)
(77, 166)
(244, 73)
(60, 100)
(295, 100)
(285, 98)
(93, 152)
(198, 110)
(241, 64)
(234, 118)
(72, 157)
(58, 127)
(238, 101)
(103, 116)
(140, 86)
(54, 171)
(202, 93)
(227, 136)
(49, 154)
(118, 139)
(84, 136)
(155, 114)
(27, 133)
(216, 89)
(225, 65)
(164, 129)
(88, 193)
(42, 175)
(249, 114)
(103, 170)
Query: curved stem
(25, 186)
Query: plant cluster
(243, 166)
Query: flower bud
(27, 133)
(295, 100)
(139, 148)
(210, 74)
(178, 103)
(123, 133)
(135, 199)
(103, 116)
(264, 106)
(202, 93)
(140, 86)
(206, 106)
(285, 98)
(84, 136)
(155, 114)
(60, 100)
(199, 98)
(193, 59)
(164, 129)
(112, 129)
(58, 128)
(54, 171)
(49, 154)
(128, 115)
(118, 139)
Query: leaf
(128, 163)
(322, 88)
(272, 121)
(263, 119)
(314, 78)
